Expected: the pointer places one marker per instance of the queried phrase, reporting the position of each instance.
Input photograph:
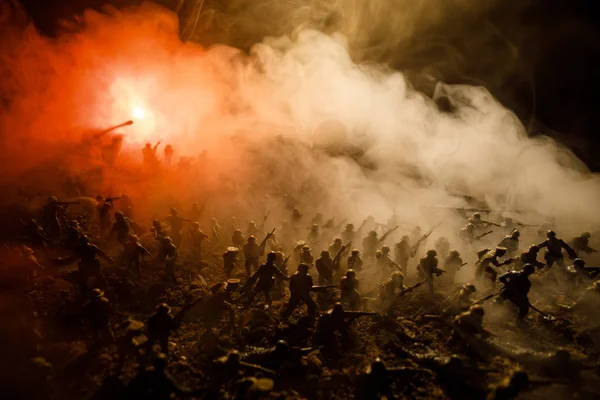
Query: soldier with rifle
(581, 244)
(415, 248)
(452, 264)
(389, 291)
(314, 236)
(162, 323)
(149, 155)
(580, 274)
(132, 253)
(403, 251)
(489, 260)
(121, 227)
(337, 321)
(253, 229)
(325, 267)
(89, 265)
(511, 243)
(355, 262)
(238, 239)
(73, 235)
(103, 207)
(168, 151)
(428, 266)
(176, 224)
(159, 232)
(349, 288)
(467, 234)
(301, 284)
(198, 237)
(127, 205)
(349, 233)
(469, 322)
(516, 288)
(252, 252)
(370, 244)
(336, 246)
(97, 312)
(481, 223)
(461, 300)
(216, 230)
(530, 257)
(306, 256)
(554, 247)
(338, 257)
(169, 254)
(264, 278)
(50, 217)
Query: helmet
(372, 233)
(134, 238)
(233, 357)
(476, 216)
(355, 252)
(431, 253)
(579, 261)
(52, 199)
(251, 223)
(586, 235)
(315, 227)
(378, 254)
(385, 250)
(167, 240)
(470, 227)
(528, 269)
(454, 253)
(303, 268)
(161, 361)
(501, 249)
(515, 234)
(324, 253)
(97, 293)
(337, 308)
(237, 232)
(533, 249)
(397, 277)
(118, 215)
(477, 310)
(469, 287)
(251, 239)
(232, 249)
(349, 227)
(305, 248)
(350, 274)
(282, 345)
(196, 224)
(163, 308)
(378, 367)
(272, 256)
(337, 240)
(550, 234)
(596, 286)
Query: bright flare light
(138, 112)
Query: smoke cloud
(298, 117)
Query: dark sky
(566, 66)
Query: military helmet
(586, 235)
(337, 240)
(385, 250)
(315, 227)
(282, 345)
(470, 287)
(303, 268)
(272, 256)
(515, 234)
(349, 227)
(237, 232)
(528, 269)
(325, 253)
(251, 239)
(118, 214)
(251, 223)
(372, 233)
(133, 237)
(163, 308)
(550, 234)
(431, 253)
(500, 249)
(454, 253)
(167, 240)
(477, 310)
(378, 254)
(579, 261)
(397, 276)
(52, 199)
(596, 285)
(534, 249)
(337, 308)
(196, 224)
(470, 227)
(234, 357)
(232, 249)
(378, 368)
(97, 293)
(476, 216)
(355, 252)
(350, 274)
(306, 248)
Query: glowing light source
(138, 112)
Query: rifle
(336, 260)
(486, 298)
(111, 199)
(393, 263)
(104, 132)
(179, 316)
(385, 235)
(411, 288)
(156, 145)
(415, 247)
(482, 235)
(264, 242)
(283, 265)
(66, 203)
(322, 289)
(363, 224)
(462, 265)
(329, 223)
(338, 226)
(491, 223)
(266, 217)
(356, 314)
